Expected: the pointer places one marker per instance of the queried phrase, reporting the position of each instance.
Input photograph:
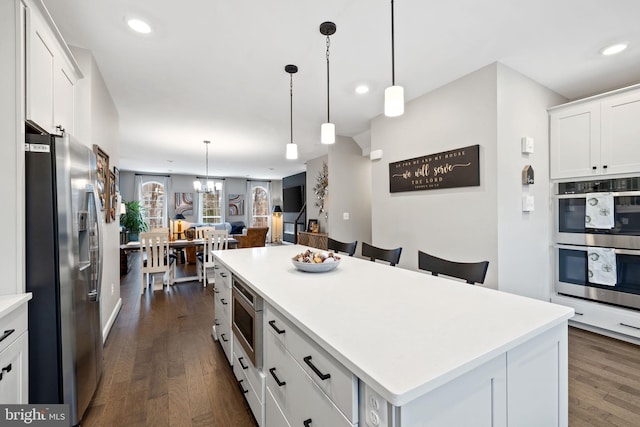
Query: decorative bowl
(311, 267)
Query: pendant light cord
(291, 104)
(328, 44)
(393, 51)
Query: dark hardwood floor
(162, 367)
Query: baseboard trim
(111, 321)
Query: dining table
(178, 245)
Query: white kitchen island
(405, 348)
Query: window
(211, 205)
(260, 207)
(153, 200)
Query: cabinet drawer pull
(223, 301)
(594, 167)
(272, 371)
(215, 267)
(307, 423)
(242, 388)
(6, 334)
(223, 338)
(604, 166)
(242, 364)
(215, 322)
(272, 323)
(579, 314)
(7, 368)
(216, 291)
(629, 326)
(322, 376)
(223, 274)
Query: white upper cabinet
(51, 74)
(596, 137)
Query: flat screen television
(292, 199)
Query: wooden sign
(455, 168)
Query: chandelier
(208, 186)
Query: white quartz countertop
(8, 303)
(402, 332)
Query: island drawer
(336, 381)
(222, 275)
(254, 398)
(225, 338)
(273, 413)
(297, 395)
(222, 301)
(13, 325)
(254, 375)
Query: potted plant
(133, 220)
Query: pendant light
(292, 149)
(328, 129)
(208, 186)
(393, 95)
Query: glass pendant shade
(197, 185)
(394, 101)
(292, 151)
(328, 133)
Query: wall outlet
(345, 216)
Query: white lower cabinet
(299, 398)
(222, 312)
(274, 415)
(14, 357)
(251, 382)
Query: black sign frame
(449, 169)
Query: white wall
(524, 247)
(458, 223)
(349, 192)
(12, 159)
(97, 122)
(314, 167)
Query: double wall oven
(597, 240)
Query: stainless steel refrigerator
(63, 271)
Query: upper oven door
(570, 222)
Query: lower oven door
(572, 276)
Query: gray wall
(493, 107)
(524, 238)
(457, 223)
(97, 122)
(349, 192)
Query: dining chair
(392, 256)
(338, 246)
(255, 237)
(155, 258)
(201, 231)
(472, 272)
(214, 240)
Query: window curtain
(141, 180)
(251, 185)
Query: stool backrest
(392, 256)
(337, 246)
(472, 272)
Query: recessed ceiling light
(139, 26)
(362, 89)
(613, 49)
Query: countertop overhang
(8, 303)
(402, 332)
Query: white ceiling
(214, 69)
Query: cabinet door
(64, 85)
(40, 71)
(621, 133)
(575, 141)
(14, 385)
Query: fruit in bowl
(319, 257)
(316, 261)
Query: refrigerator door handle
(94, 292)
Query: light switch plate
(527, 145)
(528, 204)
(345, 215)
